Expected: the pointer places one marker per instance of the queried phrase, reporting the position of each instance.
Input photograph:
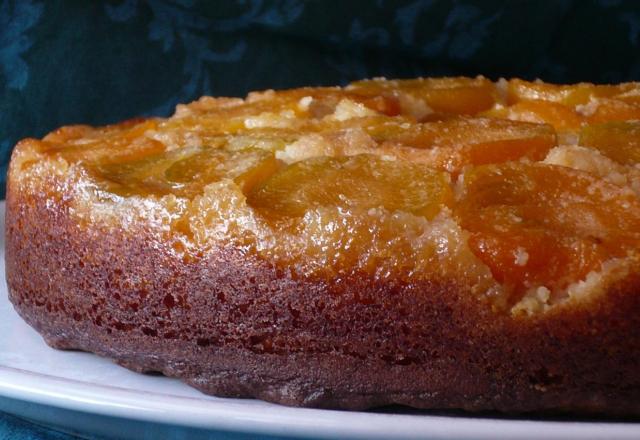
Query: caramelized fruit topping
(619, 141)
(320, 158)
(186, 172)
(356, 183)
(545, 225)
(567, 107)
(476, 141)
(458, 96)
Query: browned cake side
(139, 279)
(234, 326)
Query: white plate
(84, 393)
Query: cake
(433, 242)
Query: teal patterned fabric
(66, 62)
(13, 428)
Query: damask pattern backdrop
(65, 62)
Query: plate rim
(239, 415)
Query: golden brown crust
(236, 326)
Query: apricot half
(356, 183)
(186, 171)
(619, 141)
(460, 96)
(545, 225)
